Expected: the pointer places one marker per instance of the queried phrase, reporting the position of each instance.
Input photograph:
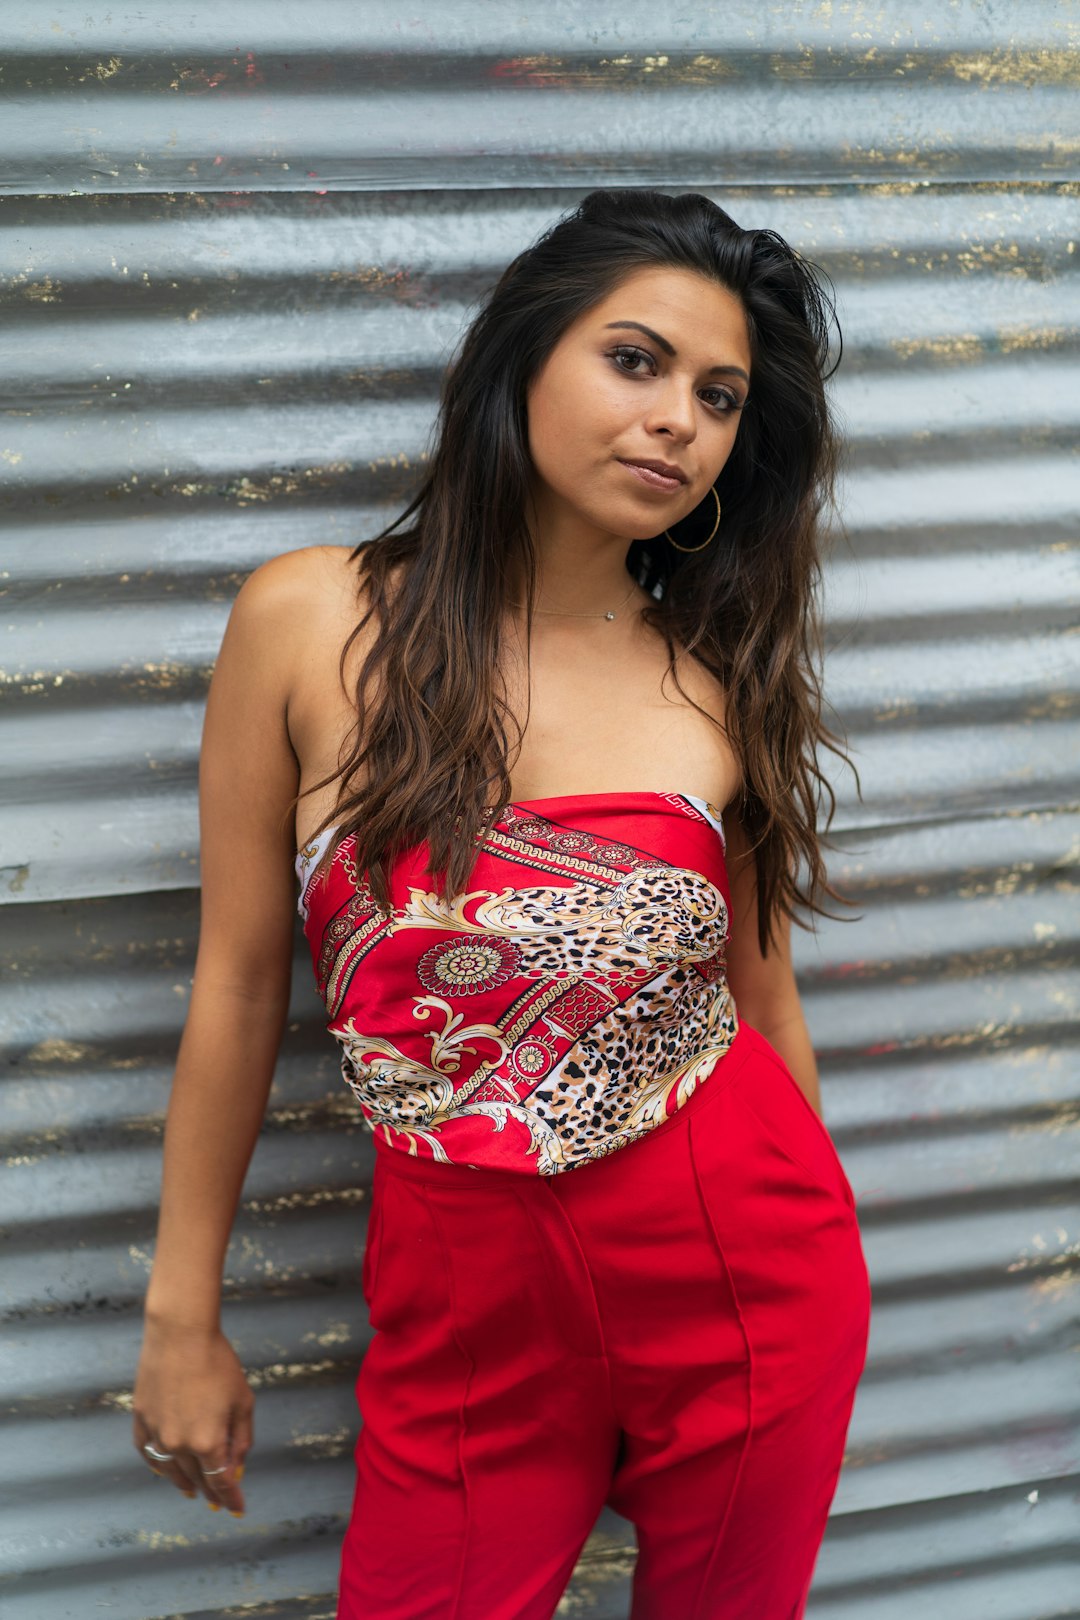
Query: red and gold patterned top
(569, 1002)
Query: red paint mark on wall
(525, 70)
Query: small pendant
(609, 615)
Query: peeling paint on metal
(229, 299)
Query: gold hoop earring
(712, 531)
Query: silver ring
(158, 1456)
(224, 1470)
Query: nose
(673, 408)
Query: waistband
(399, 1162)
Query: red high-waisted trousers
(676, 1329)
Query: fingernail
(240, 1472)
(236, 1515)
(215, 1507)
(190, 1494)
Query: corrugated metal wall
(239, 243)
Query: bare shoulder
(249, 775)
(300, 604)
(281, 622)
(290, 589)
(270, 724)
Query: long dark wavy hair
(430, 757)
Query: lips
(664, 468)
(659, 483)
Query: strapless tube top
(566, 1004)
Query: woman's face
(610, 393)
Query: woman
(612, 1254)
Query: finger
(164, 1466)
(176, 1476)
(206, 1461)
(243, 1438)
(219, 1479)
(180, 1469)
(225, 1465)
(187, 1463)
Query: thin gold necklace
(610, 614)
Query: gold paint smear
(290, 1372)
(1059, 1262)
(56, 1050)
(20, 876)
(544, 70)
(372, 276)
(1013, 66)
(1000, 884)
(899, 709)
(962, 346)
(312, 1198)
(160, 1540)
(990, 1033)
(338, 1443)
(165, 676)
(102, 70)
(117, 1400)
(1040, 337)
(335, 1333)
(1062, 1119)
(1056, 1284)
(46, 291)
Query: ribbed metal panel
(238, 244)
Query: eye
(635, 354)
(730, 401)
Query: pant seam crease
(602, 1342)
(744, 1452)
(471, 1366)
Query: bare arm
(764, 987)
(191, 1397)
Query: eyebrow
(669, 348)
